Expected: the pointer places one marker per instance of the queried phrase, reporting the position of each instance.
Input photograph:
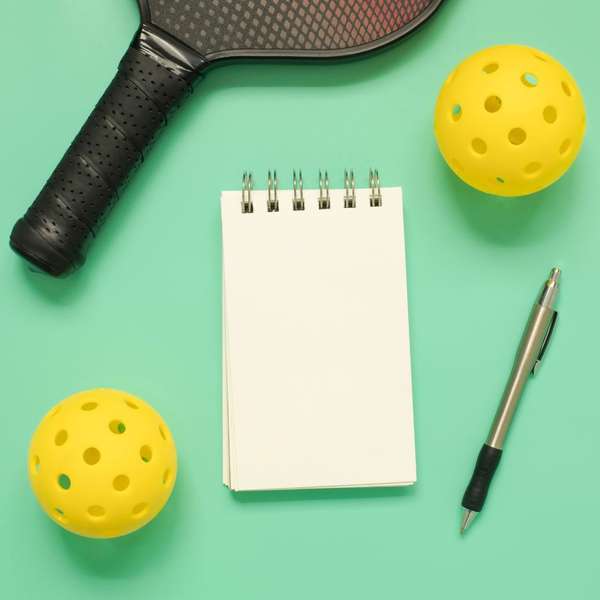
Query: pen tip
(555, 275)
(468, 517)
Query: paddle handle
(59, 227)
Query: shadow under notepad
(324, 494)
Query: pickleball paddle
(177, 43)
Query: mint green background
(144, 315)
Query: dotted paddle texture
(210, 26)
(110, 147)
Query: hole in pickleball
(121, 483)
(491, 68)
(96, 511)
(91, 456)
(457, 165)
(61, 438)
(479, 146)
(117, 427)
(139, 509)
(450, 77)
(532, 168)
(550, 114)
(529, 80)
(146, 453)
(64, 481)
(60, 516)
(517, 136)
(564, 147)
(493, 104)
(167, 477)
(111, 533)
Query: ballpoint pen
(531, 350)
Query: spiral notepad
(316, 356)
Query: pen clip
(545, 343)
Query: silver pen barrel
(550, 290)
(531, 349)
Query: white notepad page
(316, 356)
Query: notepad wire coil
(247, 206)
(298, 201)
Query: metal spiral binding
(375, 196)
(247, 206)
(298, 202)
(349, 199)
(272, 203)
(324, 201)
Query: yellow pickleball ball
(509, 120)
(102, 463)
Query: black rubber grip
(477, 490)
(57, 230)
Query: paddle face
(219, 29)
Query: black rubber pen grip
(477, 490)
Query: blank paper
(316, 355)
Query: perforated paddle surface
(210, 26)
